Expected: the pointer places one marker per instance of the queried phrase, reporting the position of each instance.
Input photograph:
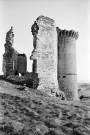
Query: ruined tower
(67, 73)
(13, 62)
(7, 57)
(44, 55)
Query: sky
(68, 14)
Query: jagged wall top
(10, 36)
(41, 20)
(67, 33)
(34, 28)
(45, 19)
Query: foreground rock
(31, 112)
(84, 91)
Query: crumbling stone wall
(67, 73)
(45, 53)
(13, 62)
(7, 57)
(22, 64)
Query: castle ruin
(54, 57)
(13, 62)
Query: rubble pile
(28, 79)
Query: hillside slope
(31, 112)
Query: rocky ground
(26, 111)
(84, 89)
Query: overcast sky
(68, 14)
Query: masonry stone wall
(67, 72)
(22, 64)
(45, 53)
(13, 62)
(7, 57)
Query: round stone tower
(67, 73)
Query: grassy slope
(32, 112)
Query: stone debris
(21, 87)
(84, 91)
(83, 97)
(61, 95)
(28, 79)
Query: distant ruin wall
(13, 62)
(45, 53)
(22, 63)
(7, 57)
(67, 72)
